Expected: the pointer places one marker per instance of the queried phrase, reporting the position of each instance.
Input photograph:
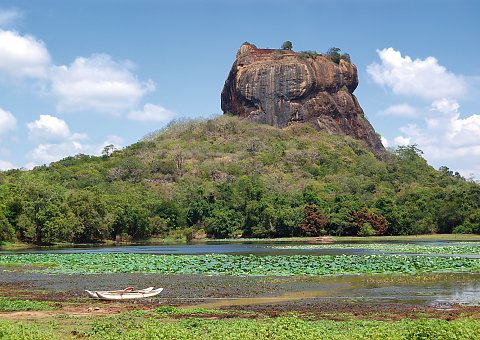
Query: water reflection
(436, 290)
(285, 248)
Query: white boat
(124, 294)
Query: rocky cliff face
(281, 87)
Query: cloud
(50, 128)
(98, 83)
(7, 121)
(445, 137)
(419, 78)
(23, 56)
(400, 110)
(4, 165)
(384, 141)
(152, 113)
(50, 152)
(402, 141)
(56, 141)
(45, 153)
(9, 16)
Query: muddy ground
(270, 296)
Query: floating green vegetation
(241, 265)
(471, 248)
(7, 305)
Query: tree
(133, 220)
(334, 54)
(42, 215)
(107, 150)
(6, 230)
(368, 221)
(224, 222)
(314, 221)
(90, 212)
(287, 45)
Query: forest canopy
(230, 178)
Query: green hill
(229, 177)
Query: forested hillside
(232, 178)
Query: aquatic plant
(466, 248)
(239, 265)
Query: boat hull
(124, 294)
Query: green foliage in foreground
(172, 310)
(7, 305)
(14, 330)
(290, 327)
(242, 265)
(227, 178)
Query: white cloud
(7, 121)
(23, 56)
(56, 141)
(9, 16)
(49, 128)
(384, 141)
(4, 165)
(98, 83)
(152, 113)
(420, 78)
(402, 141)
(445, 137)
(401, 110)
(45, 153)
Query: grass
(153, 325)
(14, 245)
(7, 305)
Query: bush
(345, 57)
(308, 54)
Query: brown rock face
(281, 87)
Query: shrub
(345, 57)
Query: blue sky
(78, 75)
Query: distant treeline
(229, 178)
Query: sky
(77, 75)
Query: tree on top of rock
(334, 54)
